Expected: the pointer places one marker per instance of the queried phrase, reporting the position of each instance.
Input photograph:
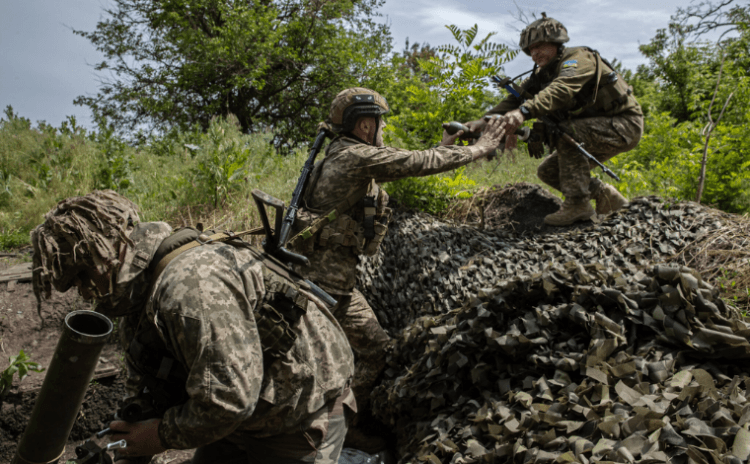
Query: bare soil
(22, 329)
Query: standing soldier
(582, 91)
(344, 215)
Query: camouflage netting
(573, 347)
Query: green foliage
(221, 163)
(453, 87)
(272, 63)
(115, 172)
(40, 166)
(20, 364)
(676, 89)
(445, 86)
(432, 194)
(667, 163)
(13, 239)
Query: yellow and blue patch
(570, 64)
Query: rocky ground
(515, 341)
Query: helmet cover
(354, 103)
(543, 30)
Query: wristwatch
(524, 112)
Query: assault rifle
(552, 126)
(277, 236)
(275, 244)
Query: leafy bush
(115, 172)
(13, 239)
(432, 194)
(20, 364)
(667, 162)
(450, 86)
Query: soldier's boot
(570, 212)
(609, 200)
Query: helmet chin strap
(377, 127)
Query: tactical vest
(359, 222)
(282, 307)
(603, 95)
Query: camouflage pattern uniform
(612, 124)
(204, 309)
(203, 306)
(350, 165)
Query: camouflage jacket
(568, 83)
(347, 167)
(203, 308)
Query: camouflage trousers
(368, 340)
(319, 441)
(568, 171)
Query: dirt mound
(95, 414)
(515, 207)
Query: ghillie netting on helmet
(81, 234)
(590, 344)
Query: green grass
(10, 240)
(504, 169)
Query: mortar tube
(68, 376)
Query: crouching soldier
(581, 91)
(232, 352)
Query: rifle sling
(218, 237)
(331, 215)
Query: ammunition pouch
(282, 307)
(163, 377)
(359, 222)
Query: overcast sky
(44, 66)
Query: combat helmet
(543, 30)
(354, 103)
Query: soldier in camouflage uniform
(196, 337)
(346, 183)
(593, 104)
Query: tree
(684, 64)
(272, 63)
(413, 54)
(453, 87)
(699, 18)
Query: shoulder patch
(570, 64)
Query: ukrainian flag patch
(570, 64)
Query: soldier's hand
(450, 139)
(512, 121)
(477, 126)
(142, 437)
(491, 138)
